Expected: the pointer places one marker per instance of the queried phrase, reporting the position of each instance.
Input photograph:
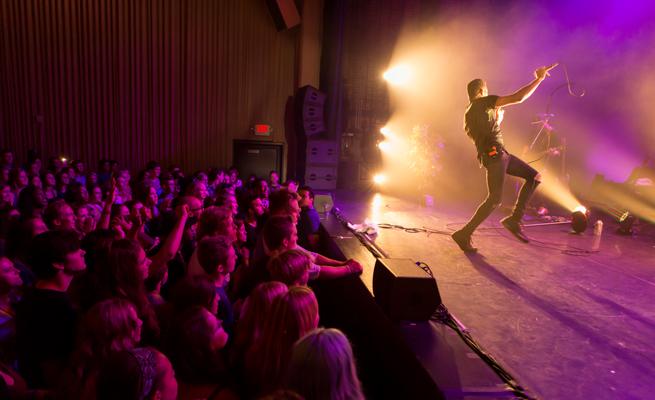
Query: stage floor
(566, 324)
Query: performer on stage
(482, 124)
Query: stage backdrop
(136, 80)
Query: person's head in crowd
(216, 221)
(55, 164)
(227, 198)
(217, 258)
(31, 202)
(63, 180)
(201, 176)
(233, 174)
(77, 194)
(123, 179)
(167, 183)
(19, 238)
(306, 197)
(291, 185)
(56, 257)
(195, 290)
(59, 216)
(137, 374)
(5, 174)
(35, 180)
(10, 279)
(104, 166)
(6, 195)
(48, 179)
(290, 267)
(153, 170)
(34, 168)
(176, 171)
(157, 278)
(124, 274)
(279, 234)
(7, 157)
(18, 179)
(293, 314)
(240, 231)
(91, 178)
(95, 194)
(198, 190)
(261, 188)
(96, 246)
(85, 223)
(196, 341)
(255, 208)
(108, 327)
(215, 177)
(284, 202)
(114, 167)
(274, 179)
(72, 173)
(148, 195)
(78, 166)
(253, 314)
(322, 366)
(121, 218)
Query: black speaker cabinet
(403, 290)
(285, 13)
(259, 158)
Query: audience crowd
(163, 285)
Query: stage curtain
(135, 80)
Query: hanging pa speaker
(310, 103)
(284, 12)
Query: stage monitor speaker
(310, 103)
(403, 290)
(284, 12)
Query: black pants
(496, 170)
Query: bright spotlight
(385, 131)
(384, 146)
(579, 219)
(398, 75)
(379, 179)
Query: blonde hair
(322, 366)
(289, 267)
(293, 314)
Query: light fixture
(579, 219)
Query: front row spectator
(293, 315)
(291, 268)
(45, 319)
(322, 366)
(137, 374)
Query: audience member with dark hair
(123, 276)
(322, 366)
(217, 258)
(195, 350)
(309, 221)
(108, 327)
(290, 267)
(137, 374)
(274, 181)
(45, 319)
(58, 215)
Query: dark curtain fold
(134, 80)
